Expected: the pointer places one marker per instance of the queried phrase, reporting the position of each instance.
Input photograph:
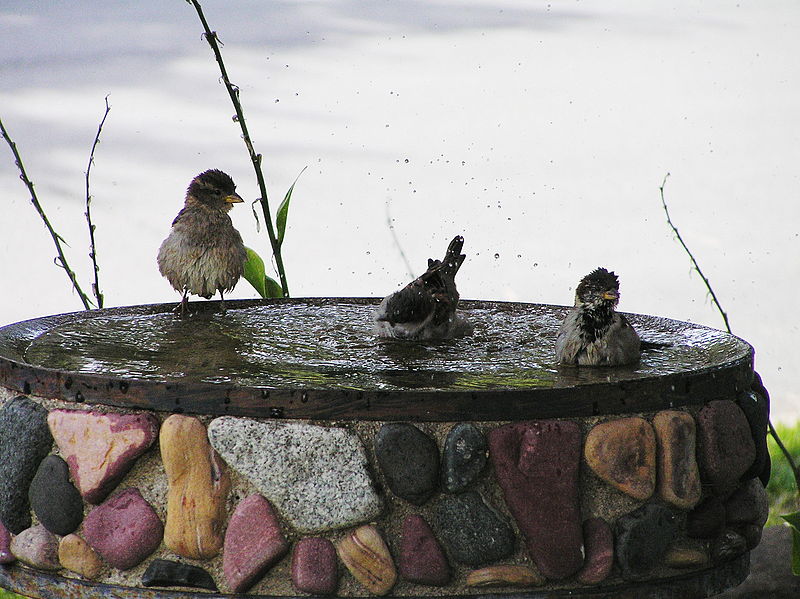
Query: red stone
(726, 447)
(101, 448)
(6, 557)
(536, 464)
(598, 540)
(124, 529)
(314, 566)
(422, 559)
(253, 543)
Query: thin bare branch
(696, 266)
(60, 260)
(692, 258)
(255, 158)
(92, 247)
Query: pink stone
(37, 547)
(124, 529)
(726, 447)
(6, 557)
(422, 559)
(598, 541)
(253, 543)
(536, 464)
(314, 566)
(100, 448)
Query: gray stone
(465, 456)
(643, 537)
(54, 499)
(316, 476)
(409, 460)
(473, 532)
(37, 547)
(24, 442)
(169, 573)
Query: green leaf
(283, 212)
(254, 272)
(274, 288)
(794, 522)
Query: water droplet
(406, 160)
(535, 264)
(496, 256)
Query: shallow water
(322, 346)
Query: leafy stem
(255, 158)
(60, 260)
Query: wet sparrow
(203, 253)
(593, 334)
(426, 308)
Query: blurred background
(541, 132)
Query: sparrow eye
(217, 192)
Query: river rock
(409, 460)
(505, 576)
(643, 537)
(124, 529)
(198, 487)
(6, 557)
(25, 442)
(101, 448)
(314, 568)
(758, 427)
(598, 541)
(464, 457)
(706, 520)
(536, 464)
(254, 542)
(422, 559)
(54, 499)
(726, 447)
(366, 556)
(686, 554)
(36, 547)
(623, 453)
(678, 474)
(473, 532)
(169, 573)
(749, 504)
(76, 556)
(727, 546)
(316, 476)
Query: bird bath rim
(573, 392)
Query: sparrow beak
(234, 198)
(610, 295)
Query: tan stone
(75, 555)
(623, 453)
(505, 576)
(366, 555)
(678, 474)
(686, 554)
(198, 487)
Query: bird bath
(315, 363)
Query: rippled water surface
(331, 345)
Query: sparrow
(203, 252)
(593, 334)
(425, 309)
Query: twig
(93, 250)
(233, 92)
(691, 256)
(60, 260)
(397, 241)
(770, 427)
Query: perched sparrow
(593, 334)
(426, 307)
(203, 253)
